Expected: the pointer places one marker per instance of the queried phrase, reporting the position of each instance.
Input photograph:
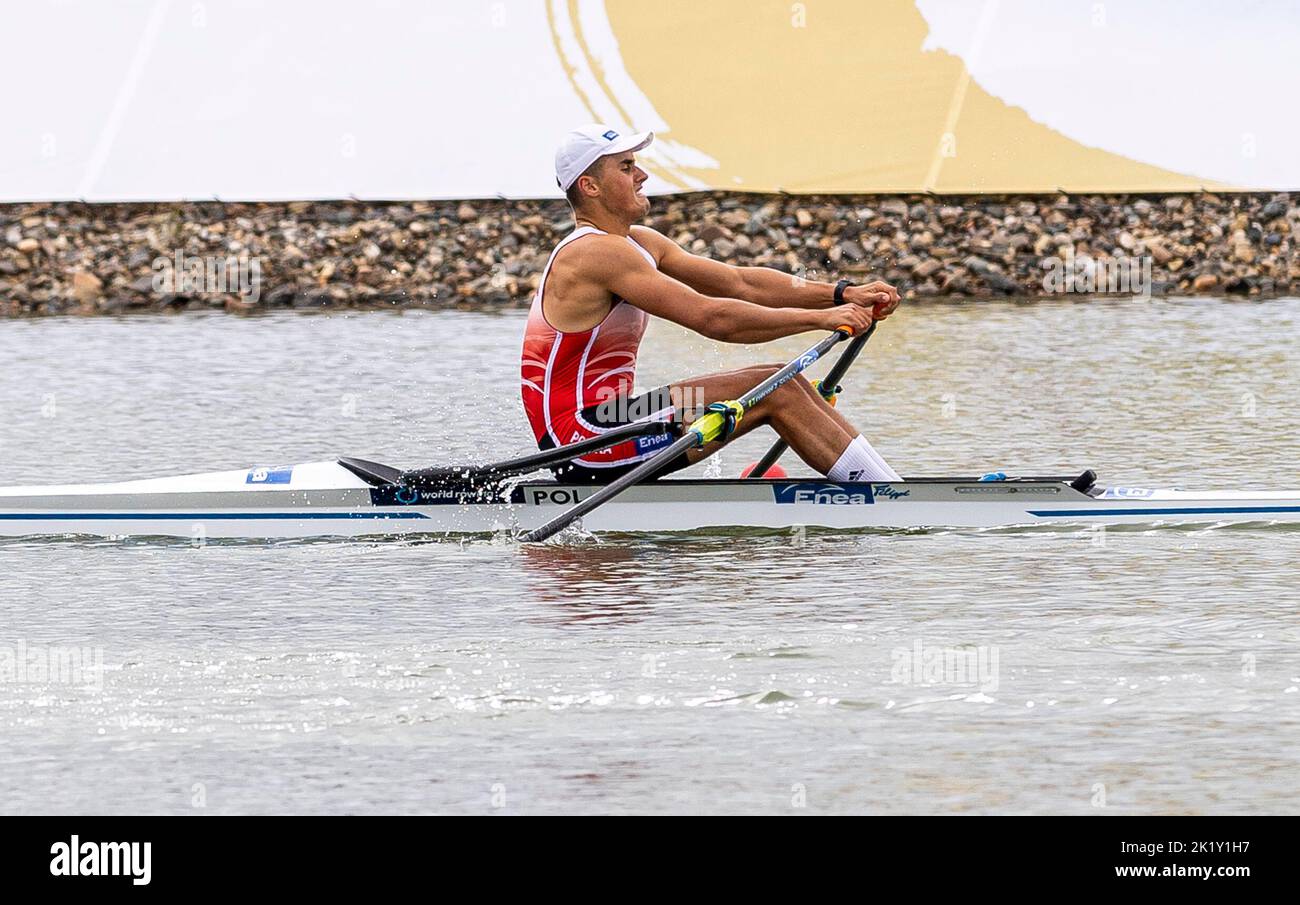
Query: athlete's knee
(788, 401)
(796, 387)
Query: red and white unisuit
(567, 376)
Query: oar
(705, 429)
(480, 474)
(827, 387)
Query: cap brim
(629, 143)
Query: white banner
(243, 100)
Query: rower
(606, 278)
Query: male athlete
(596, 294)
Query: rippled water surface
(1139, 671)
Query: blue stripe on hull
(1185, 510)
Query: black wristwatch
(839, 291)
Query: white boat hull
(324, 499)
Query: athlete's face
(622, 182)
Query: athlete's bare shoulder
(598, 255)
(577, 290)
(652, 241)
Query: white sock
(890, 474)
(859, 462)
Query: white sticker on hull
(279, 474)
(563, 496)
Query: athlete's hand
(853, 316)
(879, 296)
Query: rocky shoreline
(86, 259)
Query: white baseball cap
(585, 144)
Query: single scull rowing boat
(352, 497)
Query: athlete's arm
(613, 264)
(760, 285)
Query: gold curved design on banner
(564, 19)
(824, 96)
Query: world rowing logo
(824, 494)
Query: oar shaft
(794, 368)
(774, 452)
(646, 470)
(522, 465)
(846, 359)
(701, 431)
(560, 454)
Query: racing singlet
(572, 382)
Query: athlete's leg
(817, 433)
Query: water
(1149, 671)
